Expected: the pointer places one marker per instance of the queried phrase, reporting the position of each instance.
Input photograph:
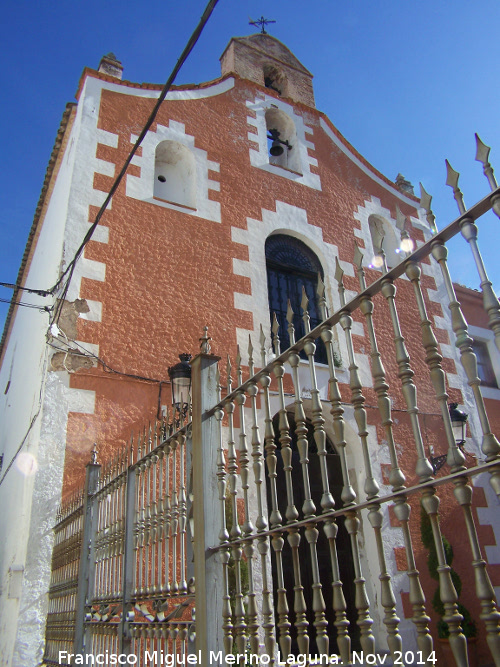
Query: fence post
(85, 569)
(129, 563)
(206, 514)
(190, 529)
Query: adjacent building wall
(32, 440)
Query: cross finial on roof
(262, 22)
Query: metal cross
(262, 22)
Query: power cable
(87, 354)
(70, 268)
(46, 309)
(32, 423)
(109, 369)
(41, 292)
(187, 50)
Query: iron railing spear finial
(251, 367)
(425, 203)
(358, 263)
(239, 372)
(228, 372)
(320, 293)
(401, 221)
(482, 155)
(406, 240)
(452, 177)
(276, 339)
(289, 319)
(262, 341)
(304, 304)
(339, 277)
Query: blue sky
(407, 83)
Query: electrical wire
(41, 292)
(67, 274)
(46, 309)
(87, 354)
(32, 423)
(106, 367)
(71, 266)
(187, 50)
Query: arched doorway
(343, 543)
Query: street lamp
(180, 377)
(458, 420)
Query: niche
(175, 174)
(383, 238)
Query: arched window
(291, 265)
(383, 238)
(175, 174)
(279, 122)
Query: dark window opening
(484, 366)
(291, 265)
(274, 79)
(269, 83)
(343, 543)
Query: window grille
(291, 265)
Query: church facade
(241, 194)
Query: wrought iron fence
(125, 571)
(295, 597)
(287, 503)
(60, 629)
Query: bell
(276, 148)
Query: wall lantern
(277, 146)
(458, 423)
(180, 377)
(458, 420)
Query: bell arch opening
(175, 174)
(384, 239)
(282, 127)
(275, 80)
